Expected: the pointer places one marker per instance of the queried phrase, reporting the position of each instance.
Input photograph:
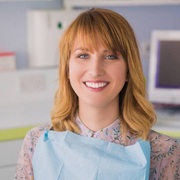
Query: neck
(96, 118)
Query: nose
(96, 67)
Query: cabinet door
(8, 158)
(7, 173)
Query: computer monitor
(164, 67)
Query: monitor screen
(164, 69)
(168, 67)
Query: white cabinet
(8, 158)
(26, 99)
(115, 3)
(44, 29)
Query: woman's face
(96, 75)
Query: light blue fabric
(68, 156)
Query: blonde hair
(137, 114)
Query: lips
(96, 85)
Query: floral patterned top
(165, 151)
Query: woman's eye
(83, 56)
(111, 57)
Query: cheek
(121, 72)
(72, 69)
(74, 65)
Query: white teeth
(96, 85)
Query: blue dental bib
(68, 156)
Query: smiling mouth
(96, 85)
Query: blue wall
(143, 19)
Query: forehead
(86, 42)
(90, 43)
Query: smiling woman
(101, 119)
(114, 35)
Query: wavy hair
(116, 34)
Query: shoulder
(24, 166)
(38, 130)
(33, 135)
(165, 156)
(31, 139)
(163, 143)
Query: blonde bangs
(89, 27)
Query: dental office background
(29, 34)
